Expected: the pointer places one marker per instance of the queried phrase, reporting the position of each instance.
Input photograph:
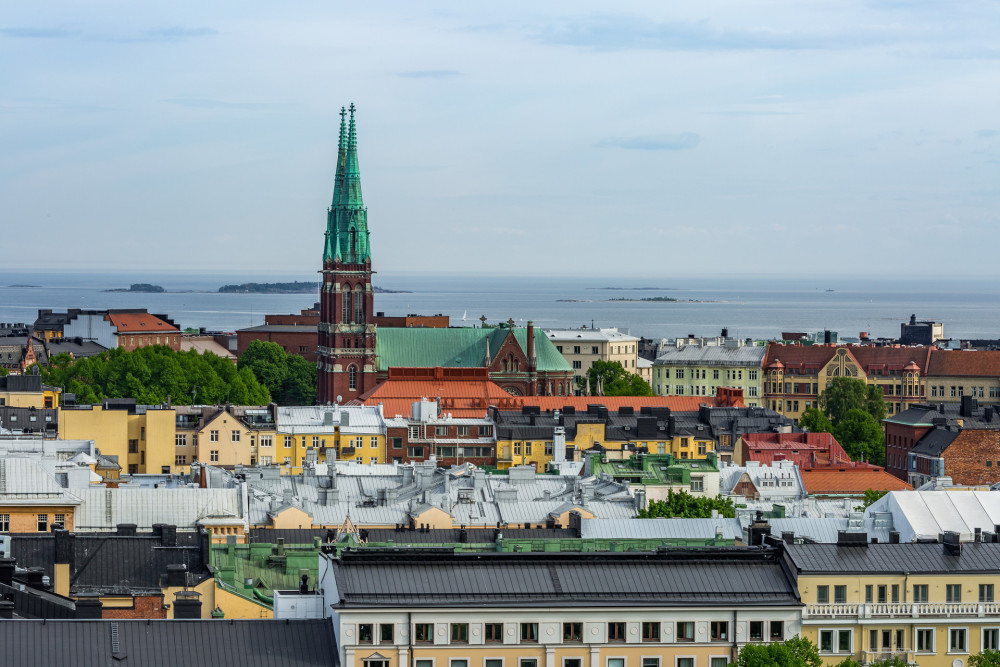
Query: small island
(650, 298)
(139, 287)
(296, 287)
(24, 286)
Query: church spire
(347, 220)
(331, 248)
(352, 176)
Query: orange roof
(974, 363)
(807, 450)
(797, 356)
(138, 322)
(869, 357)
(843, 480)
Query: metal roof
(169, 643)
(654, 529)
(703, 577)
(896, 558)
(715, 355)
(927, 514)
(366, 419)
(101, 510)
(571, 335)
(460, 346)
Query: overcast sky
(654, 138)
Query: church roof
(463, 347)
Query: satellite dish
(339, 398)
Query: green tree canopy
(845, 394)
(794, 652)
(683, 504)
(988, 658)
(861, 437)
(871, 495)
(614, 380)
(814, 421)
(153, 375)
(289, 378)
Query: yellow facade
(39, 518)
(290, 451)
(142, 440)
(237, 606)
(48, 397)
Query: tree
(612, 378)
(289, 378)
(794, 652)
(814, 421)
(988, 658)
(682, 504)
(861, 437)
(3, 371)
(875, 402)
(871, 495)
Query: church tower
(346, 351)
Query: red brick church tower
(346, 351)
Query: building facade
(697, 370)
(582, 347)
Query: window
(414, 452)
(133, 468)
(4, 523)
(493, 632)
(548, 449)
(266, 441)
(457, 662)
(528, 662)
(485, 431)
(777, 631)
(881, 595)
(572, 662)
(397, 443)
(463, 431)
(685, 662)
(650, 631)
(385, 632)
(685, 631)
(180, 440)
(180, 460)
(460, 632)
(576, 349)
(840, 594)
(577, 363)
(133, 446)
(493, 662)
(288, 442)
(957, 640)
(352, 378)
(213, 436)
(616, 631)
(925, 640)
(895, 593)
(720, 631)
(650, 662)
(43, 523)
(572, 632)
(718, 661)
(441, 431)
(991, 639)
(835, 641)
(986, 592)
(529, 632)
(375, 662)
(823, 595)
(697, 485)
(920, 593)
(616, 662)
(365, 635)
(953, 592)
(213, 455)
(423, 632)
(756, 631)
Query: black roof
(436, 536)
(184, 643)
(896, 558)
(682, 577)
(935, 441)
(20, 419)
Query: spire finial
(352, 137)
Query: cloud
(201, 103)
(620, 33)
(162, 34)
(986, 134)
(429, 74)
(654, 142)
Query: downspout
(735, 649)
(409, 637)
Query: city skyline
(528, 140)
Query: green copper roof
(460, 347)
(653, 469)
(347, 218)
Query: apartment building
(582, 347)
(699, 370)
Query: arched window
(352, 378)
(359, 305)
(517, 365)
(346, 315)
(354, 241)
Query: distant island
(641, 289)
(649, 298)
(23, 286)
(138, 287)
(297, 287)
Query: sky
(559, 138)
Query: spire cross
(352, 109)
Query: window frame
(624, 632)
(965, 634)
(647, 637)
(427, 639)
(715, 625)
(835, 634)
(916, 640)
(492, 626)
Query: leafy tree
(814, 421)
(612, 377)
(683, 504)
(988, 658)
(795, 652)
(289, 378)
(861, 436)
(3, 371)
(871, 495)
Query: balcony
(904, 654)
(902, 610)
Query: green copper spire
(347, 217)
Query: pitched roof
(170, 643)
(850, 480)
(911, 558)
(138, 322)
(799, 356)
(935, 441)
(464, 392)
(460, 346)
(678, 577)
(968, 363)
(717, 355)
(806, 450)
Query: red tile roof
(968, 363)
(806, 450)
(138, 323)
(799, 356)
(851, 480)
(868, 357)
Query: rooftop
(894, 558)
(853, 481)
(595, 335)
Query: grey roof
(101, 510)
(713, 355)
(824, 530)
(284, 328)
(682, 577)
(935, 441)
(436, 536)
(166, 643)
(896, 558)
(654, 529)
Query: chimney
(176, 575)
(893, 537)
(7, 566)
(531, 343)
(6, 609)
(168, 535)
(187, 604)
(952, 543)
(88, 606)
(65, 556)
(126, 530)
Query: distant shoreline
(296, 287)
(638, 289)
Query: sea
(749, 306)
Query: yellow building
(27, 391)
(355, 432)
(555, 610)
(930, 604)
(141, 436)
(582, 347)
(222, 436)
